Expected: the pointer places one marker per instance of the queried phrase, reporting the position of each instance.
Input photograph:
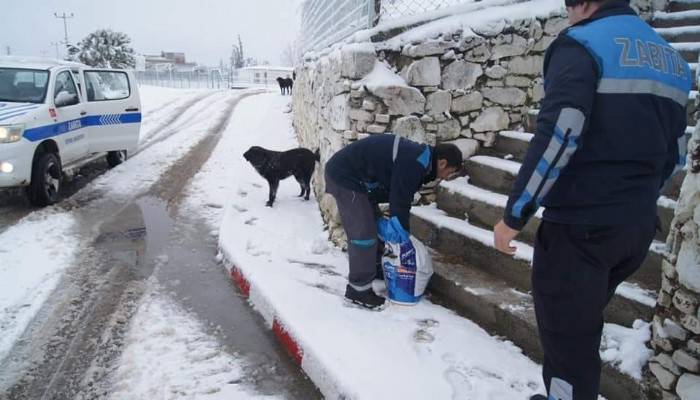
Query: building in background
(166, 61)
(261, 74)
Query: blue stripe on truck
(47, 131)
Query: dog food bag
(407, 271)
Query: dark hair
(449, 152)
(574, 3)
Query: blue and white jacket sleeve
(570, 81)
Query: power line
(65, 19)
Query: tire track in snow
(70, 354)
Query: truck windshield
(23, 85)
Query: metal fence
(393, 9)
(213, 79)
(325, 22)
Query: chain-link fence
(183, 79)
(213, 79)
(325, 22)
(392, 9)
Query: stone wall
(457, 87)
(676, 326)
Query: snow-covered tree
(104, 48)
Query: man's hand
(391, 231)
(502, 236)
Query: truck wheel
(115, 158)
(46, 180)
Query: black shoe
(365, 298)
(538, 397)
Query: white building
(262, 74)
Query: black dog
(286, 85)
(277, 165)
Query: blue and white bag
(407, 271)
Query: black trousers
(359, 216)
(576, 269)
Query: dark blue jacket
(611, 128)
(367, 166)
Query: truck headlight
(6, 167)
(11, 133)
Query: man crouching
(379, 169)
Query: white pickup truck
(57, 116)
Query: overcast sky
(203, 29)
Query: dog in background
(277, 165)
(286, 85)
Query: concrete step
(689, 50)
(673, 189)
(492, 173)
(492, 304)
(675, 19)
(473, 246)
(675, 6)
(512, 146)
(690, 33)
(484, 209)
(509, 145)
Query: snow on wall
(437, 85)
(676, 324)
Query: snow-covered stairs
(680, 26)
(492, 288)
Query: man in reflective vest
(610, 133)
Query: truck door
(114, 110)
(73, 134)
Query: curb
(287, 340)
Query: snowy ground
(168, 355)
(31, 268)
(298, 276)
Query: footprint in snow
(251, 221)
(240, 209)
(461, 387)
(423, 336)
(428, 323)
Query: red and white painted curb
(285, 338)
(330, 385)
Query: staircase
(493, 289)
(680, 26)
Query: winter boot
(365, 298)
(538, 397)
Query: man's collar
(609, 8)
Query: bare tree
(290, 54)
(237, 59)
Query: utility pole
(65, 19)
(56, 44)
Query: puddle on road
(182, 256)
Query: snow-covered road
(73, 276)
